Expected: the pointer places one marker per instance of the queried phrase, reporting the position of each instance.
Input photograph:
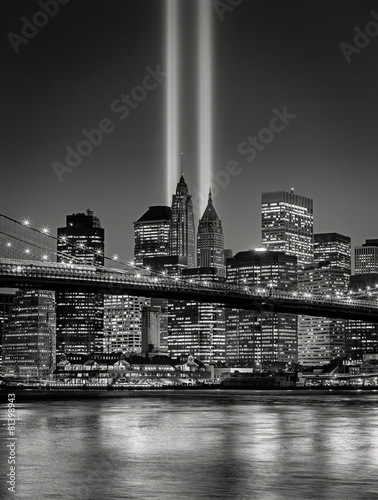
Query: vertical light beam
(172, 99)
(205, 98)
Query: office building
(197, 328)
(332, 250)
(261, 336)
(29, 335)
(366, 258)
(320, 340)
(151, 234)
(210, 246)
(287, 225)
(80, 314)
(182, 230)
(123, 323)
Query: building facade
(79, 314)
(333, 250)
(320, 340)
(287, 225)
(123, 323)
(261, 336)
(182, 229)
(366, 258)
(197, 328)
(29, 337)
(151, 234)
(210, 244)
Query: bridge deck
(63, 277)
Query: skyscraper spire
(182, 231)
(210, 239)
(182, 164)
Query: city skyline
(266, 59)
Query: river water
(178, 445)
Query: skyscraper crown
(182, 187)
(209, 213)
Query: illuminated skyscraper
(151, 234)
(197, 328)
(79, 314)
(366, 258)
(332, 250)
(182, 230)
(29, 335)
(261, 336)
(287, 225)
(123, 323)
(321, 339)
(210, 246)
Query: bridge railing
(35, 269)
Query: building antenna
(182, 163)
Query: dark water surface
(175, 445)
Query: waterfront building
(261, 336)
(287, 225)
(210, 245)
(6, 300)
(151, 234)
(29, 335)
(79, 314)
(362, 337)
(123, 323)
(151, 318)
(182, 230)
(196, 328)
(320, 340)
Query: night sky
(266, 55)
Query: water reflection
(231, 445)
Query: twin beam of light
(172, 97)
(204, 55)
(204, 112)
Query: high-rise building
(6, 300)
(197, 328)
(322, 339)
(123, 323)
(29, 335)
(261, 336)
(287, 225)
(362, 337)
(80, 314)
(182, 230)
(332, 250)
(366, 258)
(210, 246)
(151, 320)
(152, 234)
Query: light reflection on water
(199, 445)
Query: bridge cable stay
(24, 226)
